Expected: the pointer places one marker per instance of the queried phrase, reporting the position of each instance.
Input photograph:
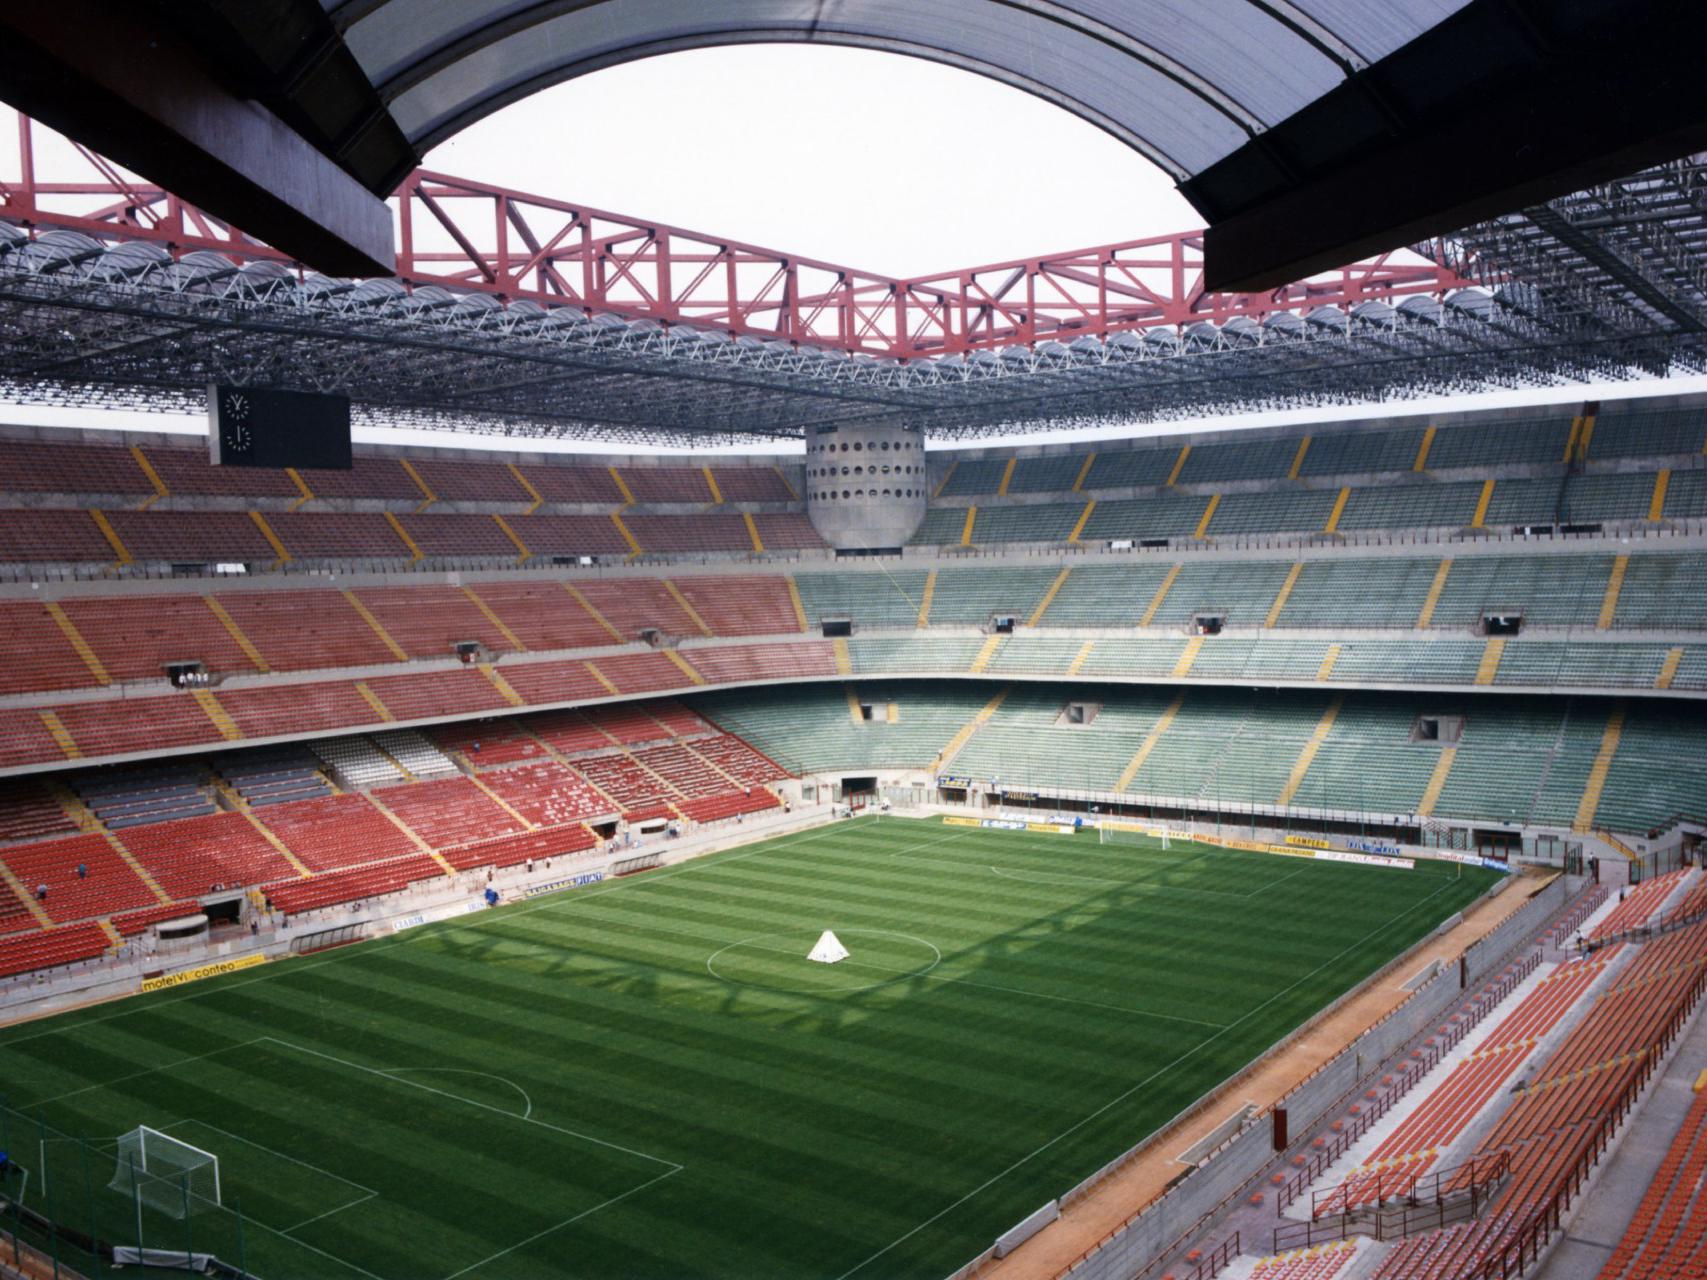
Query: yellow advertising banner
(203, 971)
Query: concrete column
(865, 485)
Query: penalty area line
(585, 1213)
(483, 1106)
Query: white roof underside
(1186, 82)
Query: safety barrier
(1646, 932)
(1412, 1204)
(1486, 954)
(1618, 533)
(1161, 1226)
(1414, 1069)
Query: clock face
(234, 421)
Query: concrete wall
(1483, 957)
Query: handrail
(1672, 531)
(1414, 1069)
(1521, 971)
(1415, 1203)
(1644, 932)
(1220, 1256)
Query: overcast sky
(893, 164)
(877, 161)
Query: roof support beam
(1499, 107)
(79, 66)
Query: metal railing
(1576, 911)
(1400, 1204)
(1220, 1256)
(1524, 1246)
(1419, 1064)
(1644, 932)
(1172, 546)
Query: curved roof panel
(1186, 82)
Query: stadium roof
(528, 315)
(1308, 132)
(1186, 82)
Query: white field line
(368, 1193)
(932, 976)
(265, 973)
(471, 1102)
(137, 1075)
(936, 977)
(465, 1071)
(1121, 1097)
(670, 1170)
(539, 1235)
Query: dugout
(182, 928)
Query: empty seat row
(83, 468)
(84, 876)
(353, 884)
(387, 538)
(1627, 431)
(46, 949)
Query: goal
(1112, 832)
(166, 1173)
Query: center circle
(777, 961)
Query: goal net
(1112, 832)
(166, 1173)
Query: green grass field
(648, 1078)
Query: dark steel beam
(106, 75)
(1625, 271)
(1505, 105)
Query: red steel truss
(466, 235)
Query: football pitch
(648, 1077)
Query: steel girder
(76, 326)
(1628, 256)
(522, 315)
(517, 246)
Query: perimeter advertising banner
(1364, 859)
(570, 882)
(203, 971)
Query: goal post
(1113, 831)
(165, 1173)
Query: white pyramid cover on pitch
(829, 948)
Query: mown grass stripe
(894, 1129)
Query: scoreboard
(263, 427)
